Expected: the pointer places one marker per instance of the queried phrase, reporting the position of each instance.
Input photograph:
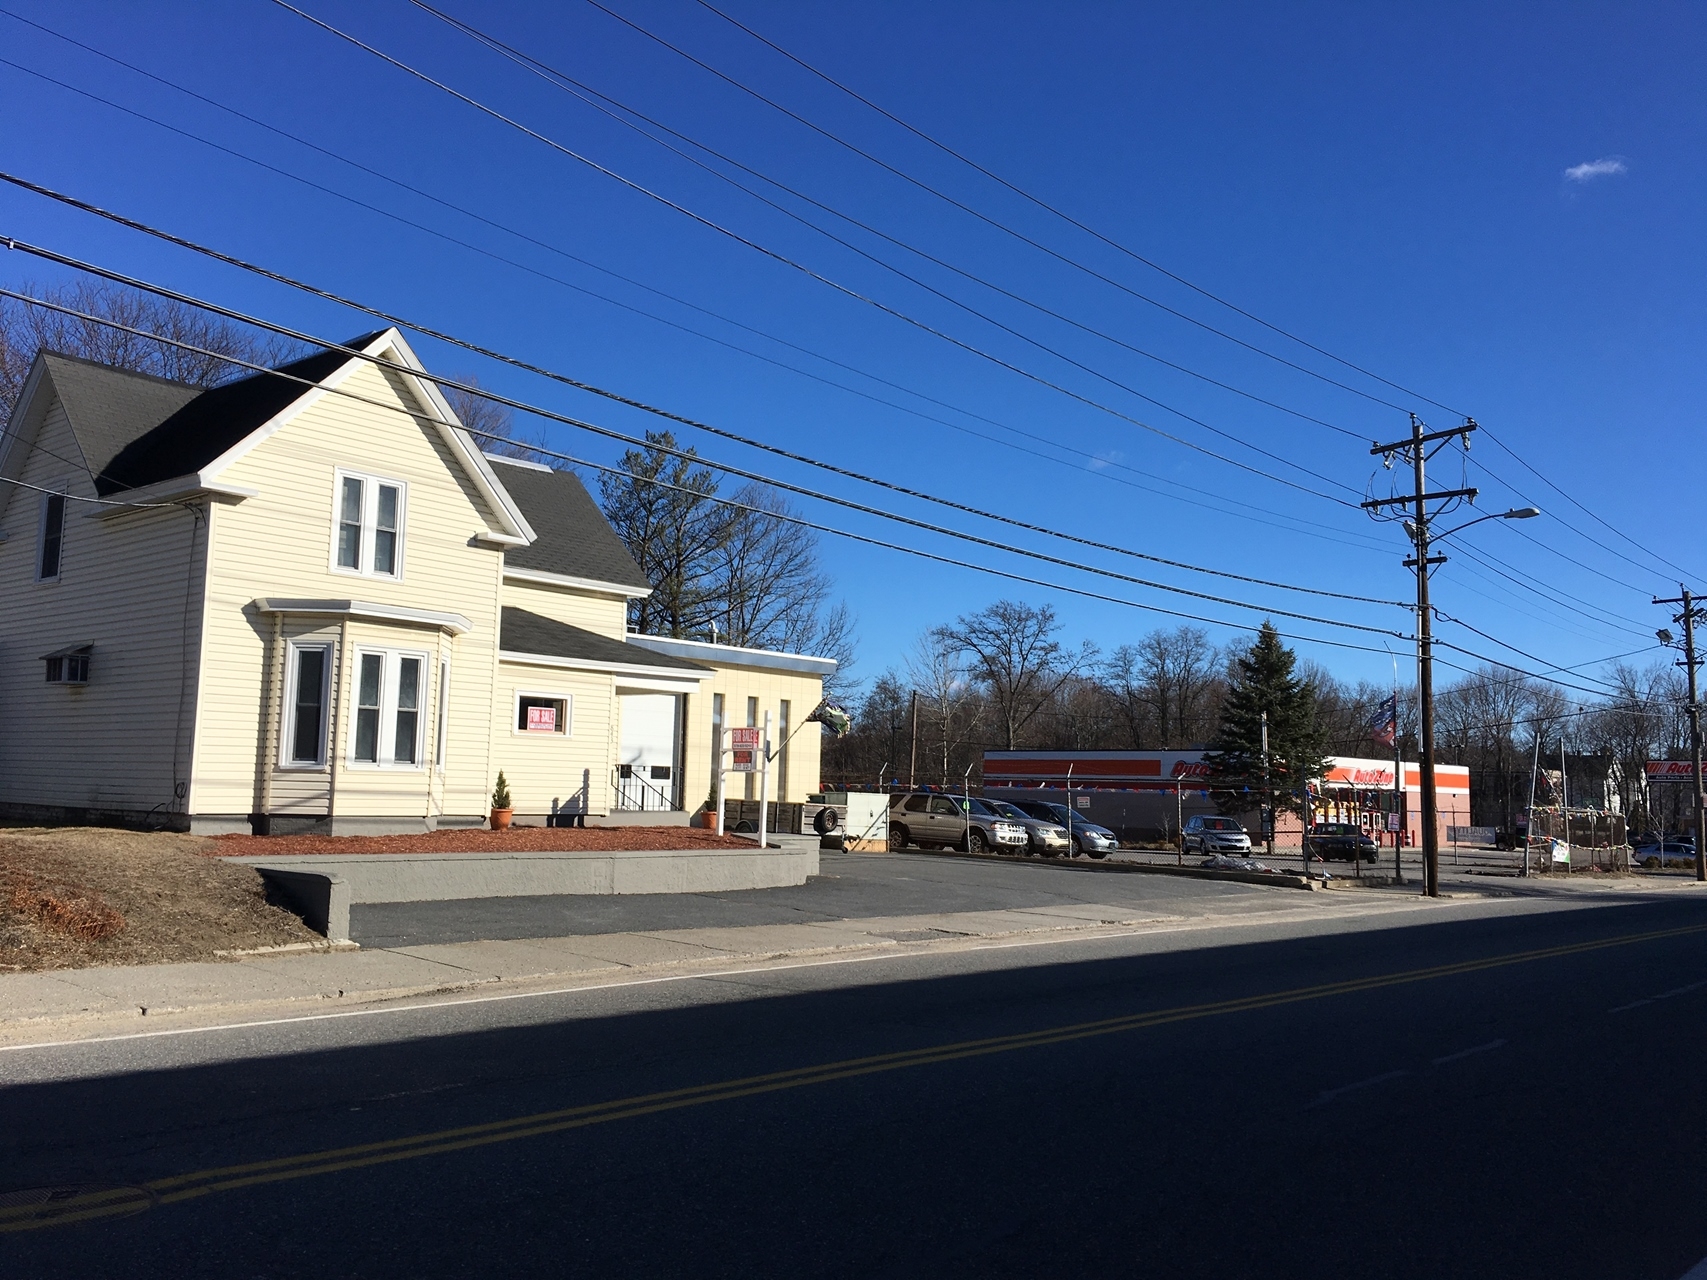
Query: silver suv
(1209, 834)
(942, 821)
(1047, 839)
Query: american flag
(1384, 724)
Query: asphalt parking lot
(850, 886)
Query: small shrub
(501, 792)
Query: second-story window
(52, 540)
(369, 534)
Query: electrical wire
(623, 437)
(1099, 236)
(614, 109)
(985, 218)
(845, 290)
(630, 402)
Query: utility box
(867, 827)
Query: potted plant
(501, 810)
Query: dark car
(1342, 840)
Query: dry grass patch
(77, 896)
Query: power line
(811, 273)
(1095, 234)
(985, 218)
(1588, 612)
(668, 415)
(615, 109)
(623, 437)
(785, 517)
(1337, 535)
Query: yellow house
(306, 600)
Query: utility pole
(1692, 612)
(913, 762)
(1416, 451)
(1267, 798)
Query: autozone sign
(1671, 771)
(1191, 769)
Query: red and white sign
(542, 719)
(744, 750)
(1671, 771)
(1191, 769)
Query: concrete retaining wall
(321, 888)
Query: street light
(1422, 537)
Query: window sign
(542, 719)
(542, 713)
(1392, 822)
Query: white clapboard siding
(546, 767)
(279, 544)
(130, 585)
(605, 615)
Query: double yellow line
(122, 1201)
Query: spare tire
(826, 821)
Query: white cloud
(1592, 169)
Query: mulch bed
(479, 840)
(77, 896)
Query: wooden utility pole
(1691, 612)
(1415, 450)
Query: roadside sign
(1671, 771)
(744, 750)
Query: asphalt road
(851, 886)
(1497, 1090)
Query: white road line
(1330, 1094)
(1664, 995)
(1465, 1053)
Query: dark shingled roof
(573, 537)
(520, 631)
(136, 430)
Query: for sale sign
(542, 719)
(744, 750)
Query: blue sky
(1394, 186)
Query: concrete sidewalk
(81, 1003)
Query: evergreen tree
(1264, 679)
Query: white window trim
(441, 730)
(567, 699)
(370, 522)
(388, 682)
(287, 717)
(41, 537)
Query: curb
(1281, 879)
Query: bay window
(388, 692)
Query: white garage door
(646, 750)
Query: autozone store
(1146, 795)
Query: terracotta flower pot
(501, 819)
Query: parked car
(1089, 838)
(1342, 840)
(1652, 853)
(1047, 839)
(938, 820)
(1205, 833)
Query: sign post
(764, 779)
(718, 755)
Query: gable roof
(109, 407)
(521, 631)
(205, 427)
(572, 538)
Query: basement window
(69, 666)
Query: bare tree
(949, 703)
(26, 329)
(493, 425)
(1014, 654)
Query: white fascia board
(127, 500)
(22, 428)
(579, 584)
(454, 623)
(735, 656)
(461, 444)
(673, 674)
